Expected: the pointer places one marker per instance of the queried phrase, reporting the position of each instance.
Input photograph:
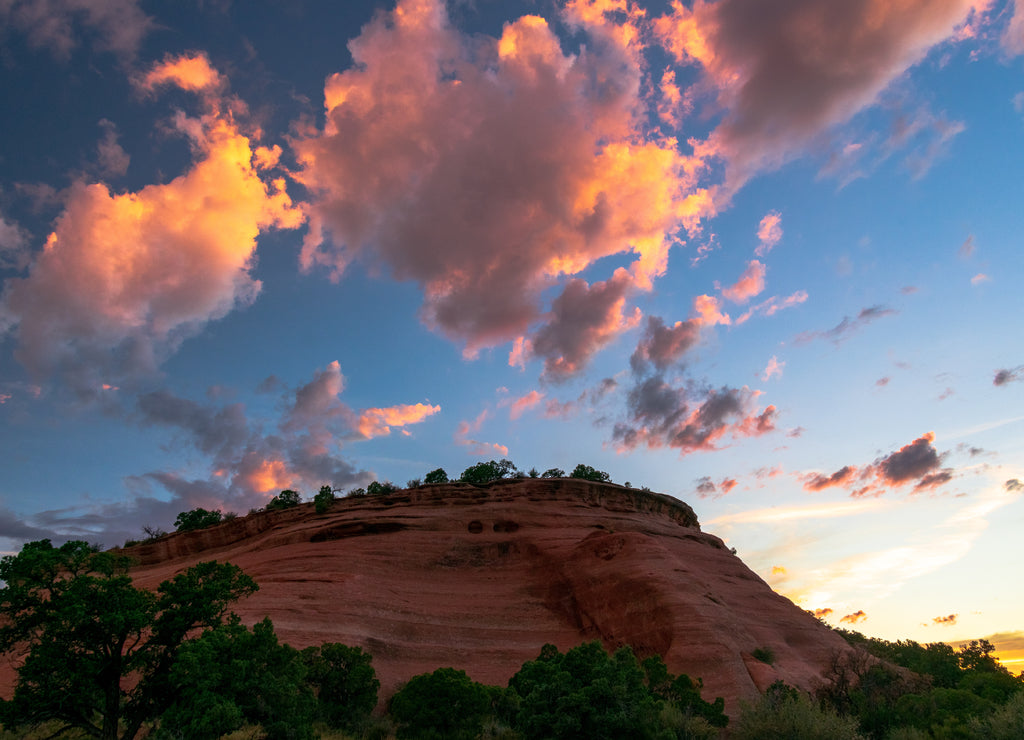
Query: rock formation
(479, 578)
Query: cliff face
(481, 578)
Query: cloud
(855, 618)
(14, 253)
(980, 278)
(111, 158)
(918, 463)
(822, 613)
(1012, 39)
(663, 346)
(117, 26)
(467, 428)
(773, 305)
(487, 169)
(583, 319)
(842, 331)
(1013, 485)
(774, 367)
(967, 248)
(789, 72)
(1008, 375)
(949, 619)
(689, 420)
(769, 233)
(522, 404)
(377, 422)
(750, 283)
(124, 278)
(192, 72)
(707, 488)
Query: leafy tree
(446, 704)
(585, 472)
(553, 473)
(436, 476)
(90, 635)
(683, 693)
(284, 500)
(584, 693)
(786, 714)
(485, 472)
(344, 681)
(376, 488)
(196, 519)
(323, 499)
(414, 483)
(231, 676)
(533, 473)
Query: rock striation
(479, 578)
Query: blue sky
(764, 258)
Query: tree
(446, 704)
(90, 634)
(376, 488)
(323, 500)
(233, 675)
(197, 519)
(436, 476)
(784, 712)
(344, 681)
(285, 500)
(553, 473)
(484, 472)
(585, 472)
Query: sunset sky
(763, 257)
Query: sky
(763, 257)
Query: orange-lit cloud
(377, 422)
(822, 613)
(544, 174)
(522, 404)
(192, 72)
(750, 283)
(769, 233)
(125, 278)
(855, 618)
(949, 619)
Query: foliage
(786, 714)
(485, 472)
(323, 500)
(446, 704)
(533, 473)
(585, 693)
(436, 476)
(414, 483)
(357, 492)
(89, 634)
(585, 472)
(682, 692)
(376, 488)
(1005, 723)
(232, 675)
(284, 500)
(553, 473)
(344, 682)
(764, 654)
(197, 519)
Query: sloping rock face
(481, 578)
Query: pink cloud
(466, 428)
(750, 284)
(773, 368)
(524, 403)
(769, 233)
(377, 422)
(544, 173)
(773, 305)
(118, 26)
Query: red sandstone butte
(479, 578)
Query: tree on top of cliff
(585, 472)
(89, 633)
(284, 500)
(485, 472)
(198, 518)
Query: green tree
(100, 650)
(585, 693)
(683, 693)
(197, 519)
(485, 472)
(323, 500)
(585, 472)
(231, 676)
(376, 488)
(284, 500)
(553, 473)
(444, 705)
(344, 681)
(786, 714)
(436, 476)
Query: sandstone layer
(480, 578)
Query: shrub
(284, 500)
(344, 681)
(585, 472)
(357, 492)
(376, 488)
(553, 473)
(485, 472)
(436, 476)
(446, 704)
(323, 500)
(765, 655)
(196, 519)
(413, 483)
(786, 714)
